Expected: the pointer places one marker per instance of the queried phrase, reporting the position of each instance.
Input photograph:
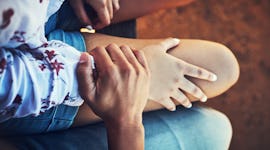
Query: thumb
(169, 43)
(85, 77)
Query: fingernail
(176, 40)
(83, 58)
(204, 99)
(92, 62)
(89, 27)
(189, 106)
(214, 78)
(173, 109)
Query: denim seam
(52, 120)
(173, 133)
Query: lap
(196, 128)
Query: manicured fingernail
(89, 27)
(204, 99)
(189, 106)
(173, 109)
(214, 77)
(176, 40)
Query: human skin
(212, 56)
(129, 8)
(114, 11)
(120, 69)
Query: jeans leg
(197, 128)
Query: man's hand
(104, 9)
(120, 92)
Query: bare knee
(227, 64)
(214, 57)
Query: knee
(228, 63)
(217, 128)
(224, 64)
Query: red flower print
(17, 100)
(2, 65)
(42, 67)
(51, 54)
(6, 18)
(18, 36)
(57, 66)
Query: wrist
(124, 122)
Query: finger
(182, 99)
(103, 14)
(102, 58)
(79, 10)
(116, 5)
(85, 77)
(110, 8)
(117, 55)
(197, 72)
(130, 56)
(169, 43)
(168, 104)
(192, 89)
(142, 60)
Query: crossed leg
(209, 55)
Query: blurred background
(243, 26)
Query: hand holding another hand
(121, 89)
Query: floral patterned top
(35, 74)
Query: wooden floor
(244, 26)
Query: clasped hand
(121, 89)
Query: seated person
(149, 52)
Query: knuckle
(128, 70)
(195, 90)
(107, 22)
(199, 72)
(124, 47)
(116, 7)
(111, 70)
(140, 52)
(98, 49)
(102, 3)
(111, 46)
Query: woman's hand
(104, 9)
(122, 86)
(168, 74)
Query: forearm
(126, 137)
(129, 8)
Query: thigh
(57, 118)
(185, 129)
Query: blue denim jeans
(198, 128)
